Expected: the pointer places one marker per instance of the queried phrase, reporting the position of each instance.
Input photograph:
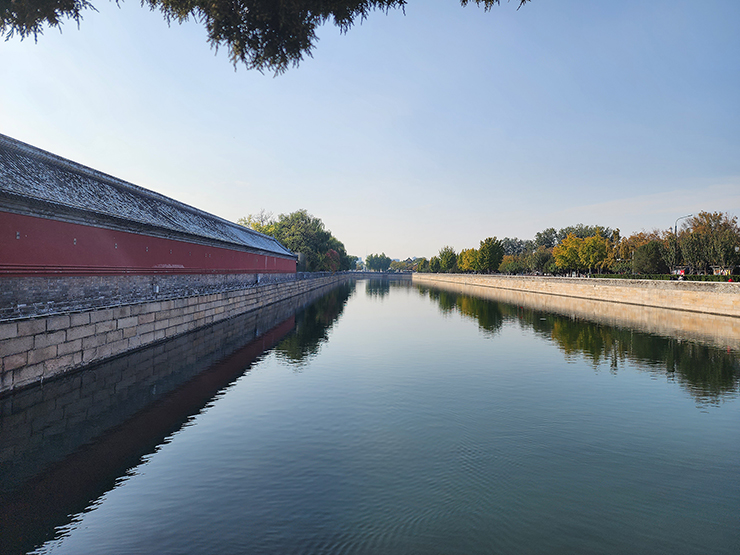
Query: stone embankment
(699, 311)
(722, 299)
(34, 349)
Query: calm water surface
(395, 419)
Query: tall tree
(672, 255)
(514, 245)
(582, 231)
(540, 260)
(434, 265)
(547, 238)
(567, 253)
(593, 251)
(490, 255)
(378, 262)
(261, 34)
(422, 265)
(305, 234)
(467, 260)
(513, 264)
(650, 258)
(447, 259)
(709, 239)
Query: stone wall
(43, 425)
(709, 329)
(722, 299)
(46, 295)
(34, 349)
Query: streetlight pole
(675, 226)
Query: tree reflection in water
(489, 316)
(710, 374)
(377, 288)
(313, 325)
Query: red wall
(38, 246)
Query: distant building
(58, 217)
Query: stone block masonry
(41, 426)
(701, 327)
(720, 299)
(35, 349)
(44, 295)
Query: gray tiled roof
(64, 187)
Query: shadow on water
(709, 373)
(68, 442)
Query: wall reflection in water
(64, 444)
(708, 371)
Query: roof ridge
(37, 154)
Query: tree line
(318, 250)
(708, 242)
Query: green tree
(582, 231)
(514, 245)
(434, 265)
(694, 246)
(539, 260)
(709, 240)
(305, 234)
(593, 251)
(378, 262)
(400, 266)
(547, 238)
(566, 253)
(672, 255)
(650, 258)
(262, 34)
(422, 265)
(447, 259)
(513, 264)
(725, 247)
(467, 260)
(490, 255)
(262, 221)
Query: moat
(382, 418)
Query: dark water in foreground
(383, 419)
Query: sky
(441, 126)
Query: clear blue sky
(442, 126)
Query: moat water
(383, 418)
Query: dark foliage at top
(261, 34)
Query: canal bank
(715, 298)
(461, 427)
(35, 349)
(708, 312)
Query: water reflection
(377, 288)
(709, 373)
(489, 316)
(313, 324)
(66, 443)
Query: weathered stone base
(37, 349)
(623, 305)
(722, 299)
